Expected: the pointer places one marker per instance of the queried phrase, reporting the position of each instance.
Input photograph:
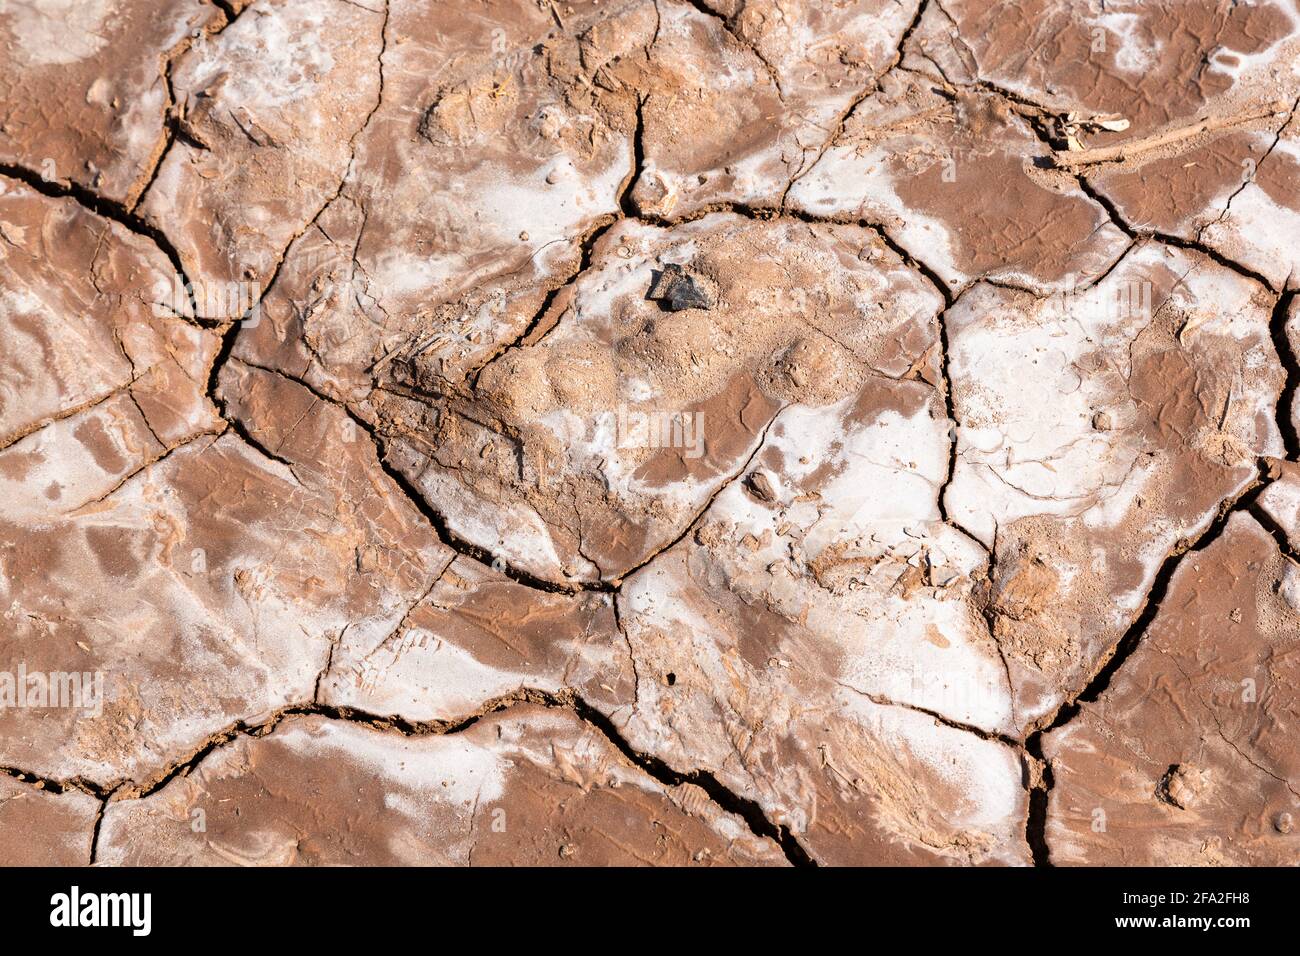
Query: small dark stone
(675, 290)
(760, 486)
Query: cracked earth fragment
(588, 449)
(44, 828)
(668, 432)
(530, 786)
(1187, 758)
(268, 107)
(920, 162)
(1099, 432)
(87, 94)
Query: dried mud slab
(593, 446)
(269, 109)
(1101, 431)
(163, 570)
(1206, 150)
(856, 778)
(86, 322)
(1187, 758)
(817, 641)
(1165, 61)
(86, 93)
(44, 828)
(475, 636)
(740, 98)
(530, 786)
(920, 160)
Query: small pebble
(761, 485)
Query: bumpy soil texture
(756, 432)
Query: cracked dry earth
(754, 432)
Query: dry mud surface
(670, 432)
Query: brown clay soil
(670, 432)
